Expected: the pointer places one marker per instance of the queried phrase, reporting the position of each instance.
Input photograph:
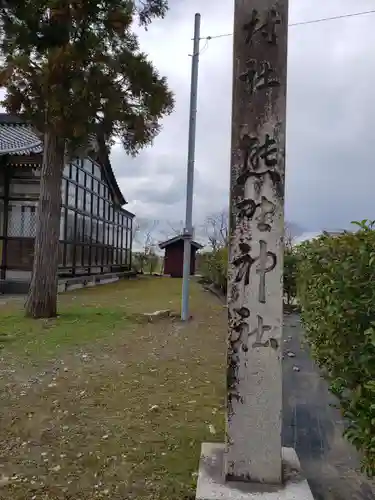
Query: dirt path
(123, 413)
(121, 417)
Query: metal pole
(188, 230)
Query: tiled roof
(17, 137)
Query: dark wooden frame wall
(96, 234)
(4, 204)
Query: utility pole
(188, 229)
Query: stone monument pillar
(255, 297)
(252, 463)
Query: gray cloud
(329, 122)
(162, 194)
(329, 119)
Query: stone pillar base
(212, 485)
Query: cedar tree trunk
(42, 298)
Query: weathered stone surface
(212, 485)
(165, 313)
(255, 298)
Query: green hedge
(214, 267)
(290, 274)
(336, 291)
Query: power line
(301, 23)
(204, 48)
(343, 16)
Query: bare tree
(289, 237)
(144, 235)
(143, 231)
(149, 236)
(172, 228)
(216, 229)
(136, 227)
(152, 259)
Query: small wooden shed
(174, 256)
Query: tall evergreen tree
(74, 68)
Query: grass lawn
(100, 404)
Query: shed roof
(176, 239)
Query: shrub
(138, 261)
(214, 267)
(290, 274)
(146, 262)
(336, 291)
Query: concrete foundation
(20, 287)
(212, 485)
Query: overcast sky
(330, 129)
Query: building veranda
(95, 231)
